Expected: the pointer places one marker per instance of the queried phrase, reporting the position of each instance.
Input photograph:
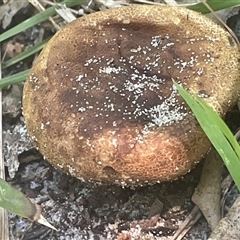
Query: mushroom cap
(99, 101)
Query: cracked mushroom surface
(99, 101)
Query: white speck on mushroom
(60, 165)
(126, 21)
(71, 170)
(109, 70)
(82, 109)
(164, 114)
(114, 142)
(79, 78)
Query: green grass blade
(39, 17)
(18, 77)
(30, 51)
(16, 202)
(213, 131)
(222, 126)
(215, 5)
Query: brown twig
(191, 219)
(40, 8)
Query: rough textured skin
(99, 101)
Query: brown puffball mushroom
(99, 101)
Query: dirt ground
(87, 211)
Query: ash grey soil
(87, 211)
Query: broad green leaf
(222, 139)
